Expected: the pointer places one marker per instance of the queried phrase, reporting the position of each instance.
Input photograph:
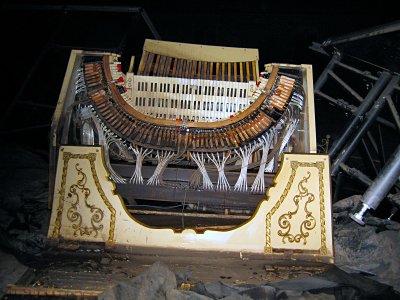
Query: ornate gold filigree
(92, 158)
(294, 166)
(309, 222)
(268, 247)
(57, 224)
(75, 191)
(106, 202)
(323, 250)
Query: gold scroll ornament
(302, 200)
(75, 193)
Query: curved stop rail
(177, 135)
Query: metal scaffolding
(370, 96)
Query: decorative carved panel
(294, 218)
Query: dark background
(37, 40)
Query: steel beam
(359, 113)
(325, 73)
(362, 34)
(370, 118)
(350, 108)
(382, 154)
(369, 156)
(372, 141)
(356, 174)
(357, 71)
(150, 24)
(338, 186)
(394, 112)
(346, 86)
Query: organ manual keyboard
(195, 127)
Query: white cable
(140, 156)
(222, 184)
(270, 165)
(162, 162)
(288, 132)
(80, 85)
(241, 183)
(259, 183)
(297, 100)
(106, 138)
(200, 162)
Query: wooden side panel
(82, 209)
(299, 210)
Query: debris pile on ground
(11, 271)
(152, 284)
(372, 249)
(159, 282)
(24, 213)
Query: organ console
(196, 125)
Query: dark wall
(37, 40)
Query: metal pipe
(356, 174)
(379, 188)
(346, 86)
(350, 108)
(369, 156)
(337, 102)
(150, 24)
(366, 74)
(370, 118)
(373, 143)
(382, 154)
(338, 186)
(324, 75)
(395, 114)
(357, 71)
(386, 122)
(362, 34)
(361, 177)
(361, 110)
